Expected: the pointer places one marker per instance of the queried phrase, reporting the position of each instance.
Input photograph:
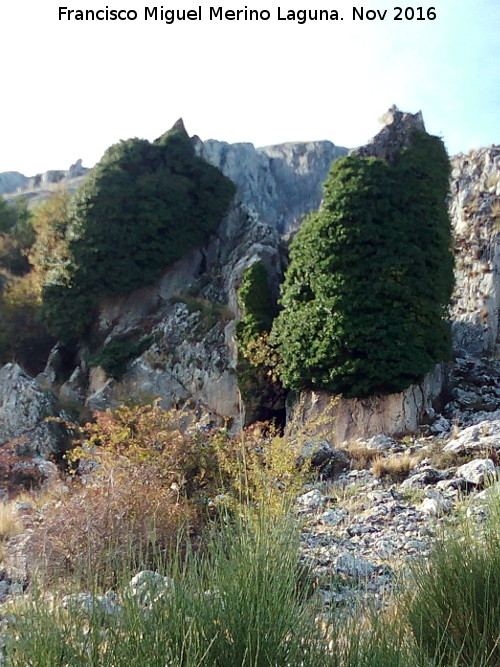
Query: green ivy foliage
(142, 207)
(366, 294)
(258, 308)
(261, 392)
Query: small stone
(332, 517)
(440, 426)
(416, 545)
(148, 586)
(434, 506)
(311, 500)
(354, 567)
(384, 443)
(16, 589)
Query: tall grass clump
(454, 607)
(240, 602)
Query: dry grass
(115, 520)
(361, 457)
(396, 467)
(10, 524)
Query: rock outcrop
(282, 182)
(37, 188)
(342, 419)
(190, 312)
(24, 408)
(475, 214)
(11, 181)
(395, 135)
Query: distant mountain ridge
(36, 188)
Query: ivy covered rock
(366, 295)
(260, 388)
(141, 208)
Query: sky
(71, 88)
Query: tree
(7, 216)
(366, 293)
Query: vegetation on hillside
(141, 208)
(194, 508)
(366, 293)
(257, 369)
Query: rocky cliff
(281, 182)
(189, 314)
(475, 214)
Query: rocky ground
(362, 528)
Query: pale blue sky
(70, 89)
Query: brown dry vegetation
(396, 468)
(361, 456)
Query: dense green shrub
(140, 209)
(16, 236)
(261, 391)
(7, 216)
(366, 294)
(258, 308)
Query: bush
(366, 293)
(260, 387)
(258, 308)
(141, 208)
(7, 216)
(22, 336)
(237, 603)
(260, 469)
(121, 519)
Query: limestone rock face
(348, 419)
(396, 133)
(475, 215)
(23, 410)
(190, 315)
(11, 181)
(191, 312)
(281, 182)
(37, 188)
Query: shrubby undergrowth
(214, 515)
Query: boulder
(479, 437)
(477, 472)
(147, 586)
(347, 419)
(24, 408)
(324, 457)
(384, 443)
(354, 567)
